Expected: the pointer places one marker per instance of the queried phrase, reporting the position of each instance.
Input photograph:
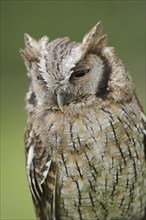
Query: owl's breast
(100, 158)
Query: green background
(124, 22)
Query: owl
(85, 140)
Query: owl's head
(62, 71)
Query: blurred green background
(124, 22)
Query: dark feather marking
(79, 140)
(103, 206)
(91, 199)
(64, 162)
(135, 146)
(114, 188)
(102, 90)
(71, 135)
(117, 143)
(39, 202)
(124, 122)
(79, 198)
(61, 52)
(78, 168)
(144, 143)
(32, 99)
(93, 205)
(91, 186)
(121, 204)
(131, 190)
(92, 167)
(129, 150)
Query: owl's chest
(103, 138)
(96, 144)
(74, 131)
(100, 165)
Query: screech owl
(85, 140)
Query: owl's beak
(60, 101)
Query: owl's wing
(144, 143)
(143, 117)
(41, 172)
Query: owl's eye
(40, 77)
(80, 73)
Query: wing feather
(41, 173)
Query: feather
(42, 187)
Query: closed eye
(79, 73)
(40, 77)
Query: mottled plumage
(85, 139)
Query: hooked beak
(60, 101)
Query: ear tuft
(93, 42)
(43, 42)
(33, 47)
(29, 41)
(94, 33)
(31, 51)
(100, 44)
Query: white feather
(46, 171)
(30, 158)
